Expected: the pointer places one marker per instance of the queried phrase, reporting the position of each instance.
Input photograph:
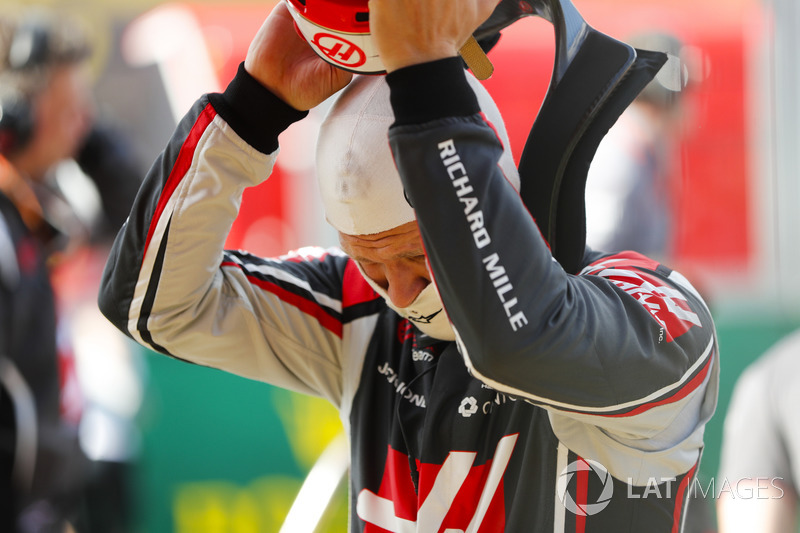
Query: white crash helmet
(338, 31)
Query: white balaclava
(361, 189)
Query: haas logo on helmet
(338, 32)
(339, 50)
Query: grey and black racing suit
(568, 402)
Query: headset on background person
(31, 53)
(100, 173)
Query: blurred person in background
(760, 462)
(65, 186)
(629, 196)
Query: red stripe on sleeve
(179, 169)
(689, 387)
(309, 307)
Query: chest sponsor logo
(667, 305)
(455, 497)
(421, 355)
(400, 386)
(470, 405)
(405, 333)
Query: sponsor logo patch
(667, 305)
